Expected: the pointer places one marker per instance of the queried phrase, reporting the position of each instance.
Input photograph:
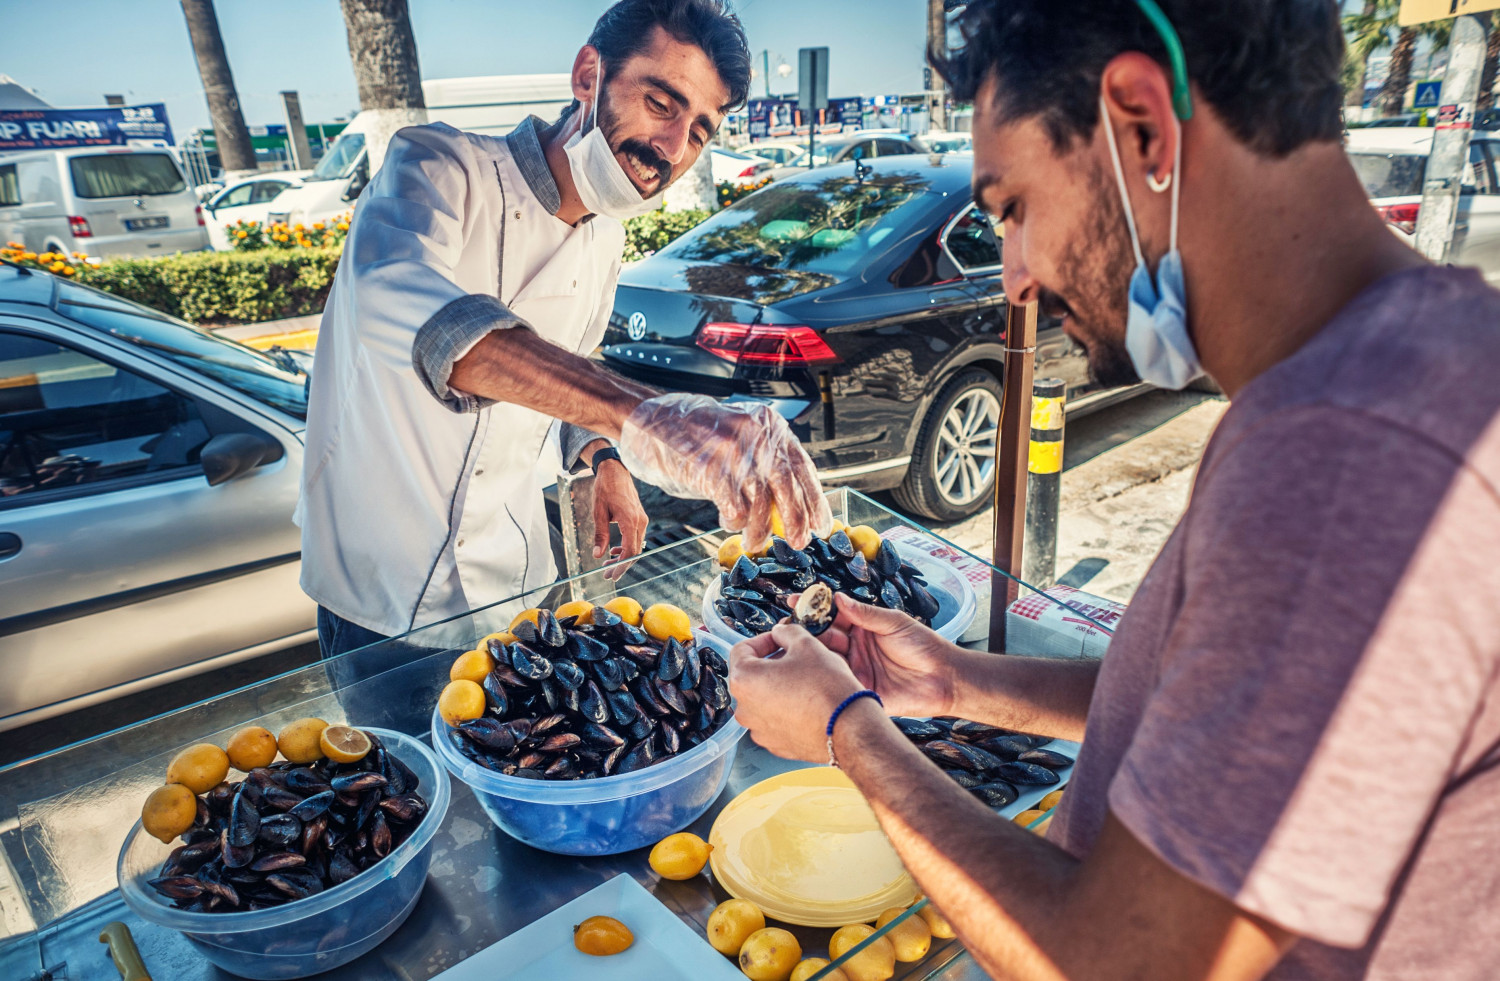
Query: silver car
(148, 474)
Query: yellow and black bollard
(1044, 482)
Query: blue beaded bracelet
(867, 693)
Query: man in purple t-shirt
(1291, 755)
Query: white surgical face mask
(1156, 332)
(601, 181)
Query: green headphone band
(1182, 100)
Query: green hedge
(272, 284)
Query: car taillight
(749, 171)
(201, 222)
(765, 344)
(1403, 216)
(79, 227)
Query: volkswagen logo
(637, 328)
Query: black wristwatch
(608, 453)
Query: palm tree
(1393, 93)
(230, 134)
(1364, 38)
(1375, 27)
(1491, 58)
(384, 53)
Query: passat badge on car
(637, 326)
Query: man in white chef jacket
(478, 274)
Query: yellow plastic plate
(805, 847)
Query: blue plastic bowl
(311, 935)
(604, 816)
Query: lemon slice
(344, 744)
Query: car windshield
(340, 158)
(121, 175)
(825, 226)
(1390, 175)
(244, 369)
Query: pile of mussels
(991, 763)
(574, 701)
(288, 831)
(755, 594)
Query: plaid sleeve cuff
(447, 336)
(574, 439)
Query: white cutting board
(665, 947)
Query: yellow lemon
(581, 609)
(626, 609)
(251, 747)
(838, 526)
(344, 744)
(199, 768)
(769, 954)
(663, 620)
(731, 924)
(169, 812)
(530, 614)
(474, 666)
(501, 637)
(602, 936)
(1025, 818)
(936, 922)
(866, 539)
(299, 741)
(778, 527)
(680, 856)
(1050, 801)
(875, 963)
(813, 965)
(731, 550)
(461, 700)
(911, 938)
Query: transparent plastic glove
(741, 456)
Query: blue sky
(73, 53)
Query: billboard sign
(47, 129)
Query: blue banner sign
(47, 129)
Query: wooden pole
(1011, 454)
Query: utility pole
(1450, 141)
(384, 53)
(233, 139)
(937, 40)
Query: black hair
(625, 29)
(1269, 68)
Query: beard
(1101, 262)
(639, 149)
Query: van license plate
(143, 224)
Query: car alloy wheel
(952, 471)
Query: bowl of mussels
(755, 591)
(292, 866)
(590, 730)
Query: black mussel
(357, 783)
(692, 670)
(488, 732)
(592, 704)
(772, 590)
(1037, 742)
(219, 798)
(214, 882)
(713, 691)
(669, 665)
(753, 616)
(671, 740)
(234, 856)
(305, 781)
(702, 716)
(642, 655)
(788, 556)
(840, 545)
(571, 701)
(890, 597)
(201, 815)
(504, 673)
(921, 603)
(963, 778)
(585, 647)
(561, 768)
(743, 572)
(527, 773)
(557, 742)
(1025, 774)
(600, 735)
(546, 724)
(567, 623)
(404, 809)
(296, 883)
(920, 729)
(263, 776)
(668, 692)
(244, 820)
(975, 731)
(549, 631)
(641, 728)
(529, 663)
(887, 560)
(714, 661)
(609, 672)
(522, 728)
(1008, 747)
(312, 832)
(568, 674)
(612, 761)
(313, 806)
(495, 694)
(742, 629)
(961, 755)
(280, 799)
(863, 594)
(800, 580)
(380, 835)
(552, 693)
(858, 568)
(177, 886)
(341, 867)
(814, 611)
(647, 698)
(533, 760)
(279, 830)
(631, 669)
(777, 572)
(622, 707)
(724, 714)
(638, 757)
(526, 632)
(747, 595)
(1046, 757)
(996, 793)
(276, 861)
(192, 856)
(606, 619)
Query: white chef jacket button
(478, 471)
(575, 284)
(518, 216)
(460, 543)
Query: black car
(863, 301)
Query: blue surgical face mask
(1156, 330)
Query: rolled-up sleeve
(406, 239)
(574, 439)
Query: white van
(103, 201)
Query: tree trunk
(1393, 96)
(384, 54)
(937, 40)
(235, 150)
(1356, 95)
(1491, 61)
